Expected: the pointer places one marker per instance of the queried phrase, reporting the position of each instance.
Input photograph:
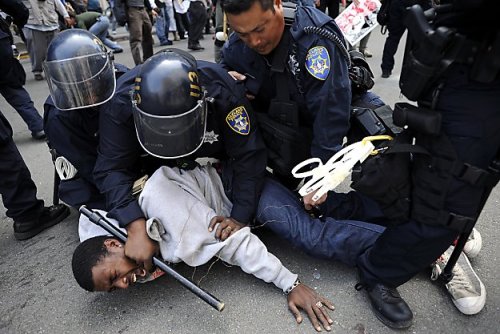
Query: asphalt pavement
(39, 295)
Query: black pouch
(287, 146)
(386, 177)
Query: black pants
(16, 186)
(396, 30)
(332, 5)
(197, 19)
(471, 118)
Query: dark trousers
(20, 100)
(16, 186)
(182, 22)
(471, 120)
(396, 30)
(332, 5)
(197, 19)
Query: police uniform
(12, 75)
(445, 202)
(318, 79)
(231, 135)
(74, 135)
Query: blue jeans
(344, 240)
(162, 23)
(100, 29)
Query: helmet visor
(170, 137)
(81, 82)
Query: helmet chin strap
(327, 177)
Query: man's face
(260, 30)
(115, 271)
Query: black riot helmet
(169, 105)
(79, 70)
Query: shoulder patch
(318, 62)
(239, 121)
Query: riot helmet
(79, 70)
(169, 105)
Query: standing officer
(180, 110)
(81, 77)
(296, 65)
(16, 186)
(12, 75)
(451, 68)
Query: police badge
(318, 62)
(238, 120)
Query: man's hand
(139, 247)
(68, 21)
(240, 77)
(303, 297)
(309, 203)
(227, 227)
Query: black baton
(97, 218)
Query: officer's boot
(388, 305)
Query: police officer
(16, 186)
(296, 65)
(181, 110)
(81, 77)
(12, 75)
(459, 51)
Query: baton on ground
(97, 218)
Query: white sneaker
(473, 244)
(466, 289)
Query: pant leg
(197, 19)
(396, 30)
(135, 33)
(30, 46)
(342, 240)
(403, 251)
(20, 100)
(364, 42)
(16, 186)
(100, 29)
(333, 8)
(147, 37)
(160, 27)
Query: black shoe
(167, 42)
(388, 306)
(386, 74)
(196, 47)
(50, 216)
(39, 77)
(38, 135)
(118, 50)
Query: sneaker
(39, 77)
(466, 289)
(366, 53)
(50, 216)
(118, 50)
(167, 42)
(388, 306)
(386, 74)
(473, 245)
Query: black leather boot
(388, 306)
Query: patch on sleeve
(318, 62)
(238, 120)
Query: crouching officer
(295, 63)
(452, 69)
(172, 110)
(82, 78)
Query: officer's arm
(117, 157)
(248, 158)
(328, 98)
